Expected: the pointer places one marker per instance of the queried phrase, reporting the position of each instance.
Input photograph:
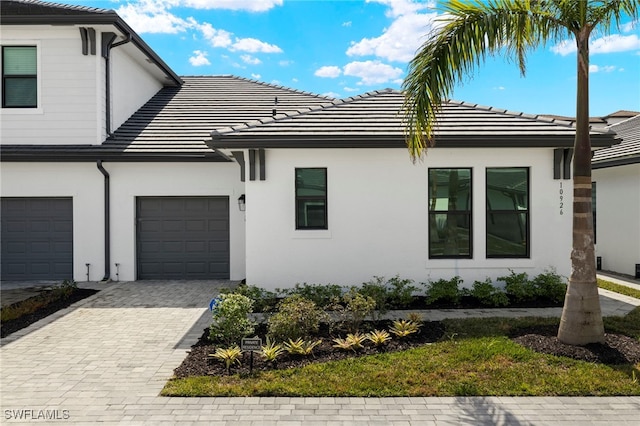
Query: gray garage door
(37, 239)
(183, 237)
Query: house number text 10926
(561, 199)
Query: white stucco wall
(377, 217)
(618, 217)
(85, 183)
(67, 111)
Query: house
(113, 167)
(616, 183)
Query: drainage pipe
(107, 45)
(107, 223)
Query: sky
(349, 47)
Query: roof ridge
(65, 6)
(545, 118)
(625, 121)
(275, 86)
(300, 112)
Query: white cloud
(285, 63)
(248, 5)
(148, 16)
(372, 72)
(253, 45)
(346, 24)
(295, 80)
(403, 7)
(606, 68)
(350, 89)
(217, 38)
(199, 59)
(400, 40)
(498, 88)
(248, 59)
(328, 72)
(256, 76)
(276, 82)
(607, 44)
(630, 26)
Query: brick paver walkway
(106, 359)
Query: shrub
(358, 307)
(263, 300)
(518, 287)
(488, 294)
(296, 318)
(400, 294)
(321, 295)
(445, 291)
(551, 285)
(377, 290)
(230, 318)
(351, 342)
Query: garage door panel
(178, 244)
(37, 238)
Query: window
(450, 213)
(508, 212)
(311, 198)
(19, 77)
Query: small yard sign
(251, 344)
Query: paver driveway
(107, 358)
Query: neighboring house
(616, 182)
(114, 167)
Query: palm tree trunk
(581, 321)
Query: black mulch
(12, 326)
(617, 349)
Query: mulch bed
(617, 349)
(12, 326)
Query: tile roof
(628, 151)
(36, 7)
(180, 119)
(375, 120)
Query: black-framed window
(311, 198)
(450, 217)
(508, 212)
(19, 77)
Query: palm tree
(472, 30)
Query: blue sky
(344, 48)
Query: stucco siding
(377, 218)
(618, 217)
(67, 106)
(84, 183)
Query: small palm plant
(353, 341)
(271, 351)
(403, 328)
(301, 347)
(378, 337)
(229, 356)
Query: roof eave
(107, 18)
(236, 141)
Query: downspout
(107, 45)
(107, 223)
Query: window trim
(527, 254)
(299, 199)
(22, 110)
(468, 213)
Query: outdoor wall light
(241, 203)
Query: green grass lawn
(475, 357)
(618, 288)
